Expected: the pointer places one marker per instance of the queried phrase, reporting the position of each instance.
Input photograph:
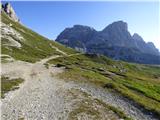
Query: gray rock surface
(8, 9)
(143, 46)
(114, 41)
(9, 36)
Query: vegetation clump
(9, 84)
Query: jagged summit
(137, 37)
(8, 9)
(81, 26)
(117, 25)
(114, 41)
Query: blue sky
(51, 18)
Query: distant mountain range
(114, 41)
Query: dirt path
(44, 97)
(58, 50)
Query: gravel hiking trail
(42, 96)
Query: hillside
(21, 43)
(114, 41)
(42, 79)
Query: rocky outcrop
(10, 37)
(114, 41)
(143, 46)
(8, 9)
(77, 37)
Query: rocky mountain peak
(151, 44)
(114, 41)
(80, 26)
(8, 9)
(83, 27)
(137, 37)
(143, 46)
(120, 25)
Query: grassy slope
(141, 83)
(35, 46)
(8, 85)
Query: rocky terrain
(114, 41)
(11, 36)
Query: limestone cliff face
(8, 9)
(143, 46)
(114, 41)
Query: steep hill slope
(114, 41)
(22, 43)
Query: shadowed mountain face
(114, 41)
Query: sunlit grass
(139, 83)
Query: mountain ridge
(113, 41)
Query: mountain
(114, 41)
(77, 37)
(143, 46)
